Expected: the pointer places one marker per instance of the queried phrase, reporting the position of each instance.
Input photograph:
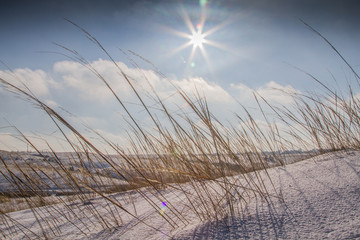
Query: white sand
(322, 201)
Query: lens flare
(163, 207)
(203, 3)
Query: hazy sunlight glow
(197, 39)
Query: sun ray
(175, 32)
(178, 49)
(202, 19)
(188, 21)
(218, 27)
(197, 38)
(191, 56)
(217, 45)
(207, 60)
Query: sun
(197, 39)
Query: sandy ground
(321, 201)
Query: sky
(246, 46)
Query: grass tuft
(191, 153)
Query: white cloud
(212, 91)
(271, 91)
(76, 76)
(97, 136)
(91, 87)
(80, 81)
(51, 103)
(277, 93)
(15, 142)
(37, 81)
(242, 91)
(9, 142)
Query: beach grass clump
(192, 153)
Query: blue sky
(258, 43)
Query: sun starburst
(197, 39)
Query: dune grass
(187, 147)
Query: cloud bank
(73, 83)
